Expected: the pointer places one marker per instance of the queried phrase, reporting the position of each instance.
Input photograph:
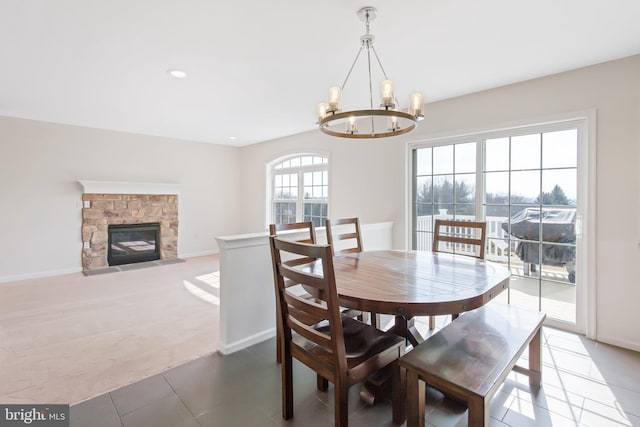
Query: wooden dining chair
(461, 238)
(303, 232)
(352, 225)
(349, 232)
(340, 349)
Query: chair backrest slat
(311, 334)
(461, 236)
(284, 230)
(298, 275)
(306, 307)
(304, 316)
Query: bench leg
(415, 400)
(479, 412)
(535, 359)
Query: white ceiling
(257, 69)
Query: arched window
(299, 189)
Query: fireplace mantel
(125, 187)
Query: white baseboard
(621, 343)
(197, 254)
(39, 274)
(246, 342)
(61, 272)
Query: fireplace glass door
(132, 243)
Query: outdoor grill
(558, 226)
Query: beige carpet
(68, 338)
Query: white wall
(368, 178)
(41, 163)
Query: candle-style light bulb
(386, 94)
(416, 105)
(352, 127)
(322, 110)
(393, 123)
(334, 99)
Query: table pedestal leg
(378, 385)
(406, 328)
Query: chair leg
(375, 320)
(322, 383)
(432, 323)
(278, 344)
(399, 393)
(341, 404)
(287, 386)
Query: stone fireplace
(124, 204)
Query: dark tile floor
(584, 384)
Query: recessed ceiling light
(179, 74)
(233, 137)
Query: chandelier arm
(373, 130)
(351, 69)
(384, 73)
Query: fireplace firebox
(132, 243)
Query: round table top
(416, 283)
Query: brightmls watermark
(34, 415)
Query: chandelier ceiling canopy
(386, 120)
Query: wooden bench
(469, 359)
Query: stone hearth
(102, 210)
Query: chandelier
(387, 120)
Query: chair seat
(361, 341)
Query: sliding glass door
(524, 184)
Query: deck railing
(498, 246)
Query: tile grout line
(182, 401)
(116, 409)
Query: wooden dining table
(407, 284)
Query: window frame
(478, 205)
(273, 170)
